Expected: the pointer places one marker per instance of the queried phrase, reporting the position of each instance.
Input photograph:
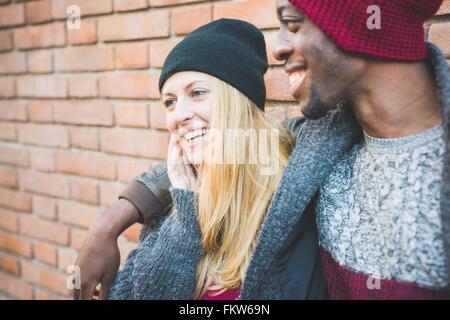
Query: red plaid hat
(400, 36)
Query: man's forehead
(283, 5)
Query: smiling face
(187, 98)
(321, 75)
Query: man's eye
(292, 25)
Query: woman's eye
(197, 93)
(169, 103)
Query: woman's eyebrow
(189, 86)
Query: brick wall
(80, 116)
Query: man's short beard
(316, 108)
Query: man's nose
(282, 48)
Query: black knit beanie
(231, 50)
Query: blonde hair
(234, 197)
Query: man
(383, 208)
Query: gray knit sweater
(164, 264)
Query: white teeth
(194, 134)
(296, 77)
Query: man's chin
(313, 107)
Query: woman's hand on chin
(179, 169)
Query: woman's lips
(296, 79)
(197, 141)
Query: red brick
(261, 13)
(40, 111)
(86, 164)
(129, 168)
(14, 155)
(185, 20)
(13, 110)
(7, 131)
(81, 86)
(109, 192)
(8, 220)
(9, 264)
(40, 61)
(15, 287)
(87, 7)
(6, 40)
(44, 229)
(15, 244)
(76, 214)
(8, 176)
(13, 63)
(270, 41)
(40, 36)
(84, 59)
(85, 113)
(445, 8)
(127, 5)
(159, 51)
(55, 185)
(131, 56)
(45, 252)
(134, 26)
(84, 138)
(157, 115)
(135, 142)
(66, 257)
(144, 86)
(12, 15)
(45, 277)
(77, 237)
(38, 11)
(84, 191)
(43, 159)
(42, 294)
(161, 3)
(87, 34)
(440, 35)
(132, 233)
(277, 85)
(132, 114)
(7, 87)
(15, 199)
(44, 135)
(44, 207)
(42, 86)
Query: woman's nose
(182, 113)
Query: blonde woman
(214, 95)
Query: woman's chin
(195, 157)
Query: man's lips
(297, 74)
(296, 80)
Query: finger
(76, 294)
(190, 175)
(96, 294)
(87, 291)
(106, 285)
(174, 150)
